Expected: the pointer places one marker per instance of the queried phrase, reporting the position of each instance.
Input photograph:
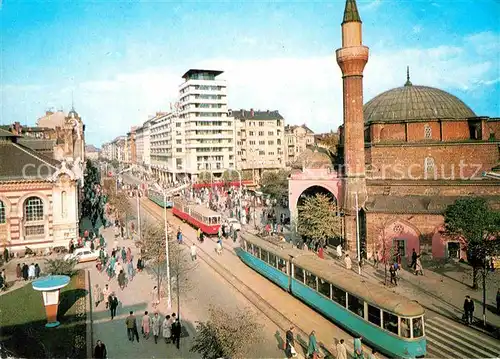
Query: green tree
(59, 266)
(205, 177)
(122, 207)
(318, 218)
(275, 184)
(477, 227)
(227, 335)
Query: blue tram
(391, 323)
(158, 198)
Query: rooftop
(189, 74)
(257, 115)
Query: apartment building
(131, 155)
(260, 139)
(160, 139)
(203, 137)
(297, 138)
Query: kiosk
(50, 287)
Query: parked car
(235, 223)
(82, 255)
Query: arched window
(427, 132)
(33, 214)
(63, 204)
(2, 213)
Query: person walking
(97, 295)
(218, 246)
(19, 271)
(414, 256)
(37, 271)
(312, 348)
(166, 329)
(130, 269)
(146, 324)
(113, 304)
(100, 351)
(498, 301)
(375, 260)
(122, 281)
(358, 348)
(156, 324)
(106, 292)
(341, 350)
(176, 332)
(131, 324)
(179, 235)
(468, 310)
(418, 266)
(348, 262)
(155, 300)
(392, 271)
(290, 343)
(31, 271)
(193, 252)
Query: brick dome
(415, 103)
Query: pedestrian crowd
(169, 328)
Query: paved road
(203, 288)
(448, 339)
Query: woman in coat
(156, 323)
(122, 281)
(313, 349)
(166, 331)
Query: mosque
(404, 156)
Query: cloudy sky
(123, 60)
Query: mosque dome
(411, 102)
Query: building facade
(204, 133)
(403, 157)
(259, 141)
(38, 198)
(297, 138)
(160, 139)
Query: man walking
(413, 259)
(341, 350)
(131, 324)
(193, 252)
(468, 310)
(100, 351)
(176, 332)
(113, 304)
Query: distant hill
(91, 148)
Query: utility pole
(484, 293)
(169, 293)
(138, 214)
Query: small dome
(313, 158)
(415, 103)
(73, 113)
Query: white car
(235, 223)
(83, 255)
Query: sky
(121, 61)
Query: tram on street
(158, 198)
(391, 323)
(208, 221)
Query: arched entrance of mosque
(311, 192)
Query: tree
(153, 248)
(471, 222)
(275, 184)
(60, 266)
(123, 208)
(319, 218)
(227, 335)
(385, 246)
(205, 177)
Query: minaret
(352, 58)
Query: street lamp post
(138, 213)
(169, 293)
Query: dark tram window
(324, 287)
(374, 315)
(338, 295)
(282, 265)
(391, 322)
(299, 274)
(405, 327)
(272, 260)
(417, 327)
(356, 305)
(263, 255)
(311, 280)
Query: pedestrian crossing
(448, 339)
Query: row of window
(261, 133)
(213, 149)
(404, 327)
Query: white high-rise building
(203, 136)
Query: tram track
(270, 311)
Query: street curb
(89, 321)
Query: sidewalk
(443, 292)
